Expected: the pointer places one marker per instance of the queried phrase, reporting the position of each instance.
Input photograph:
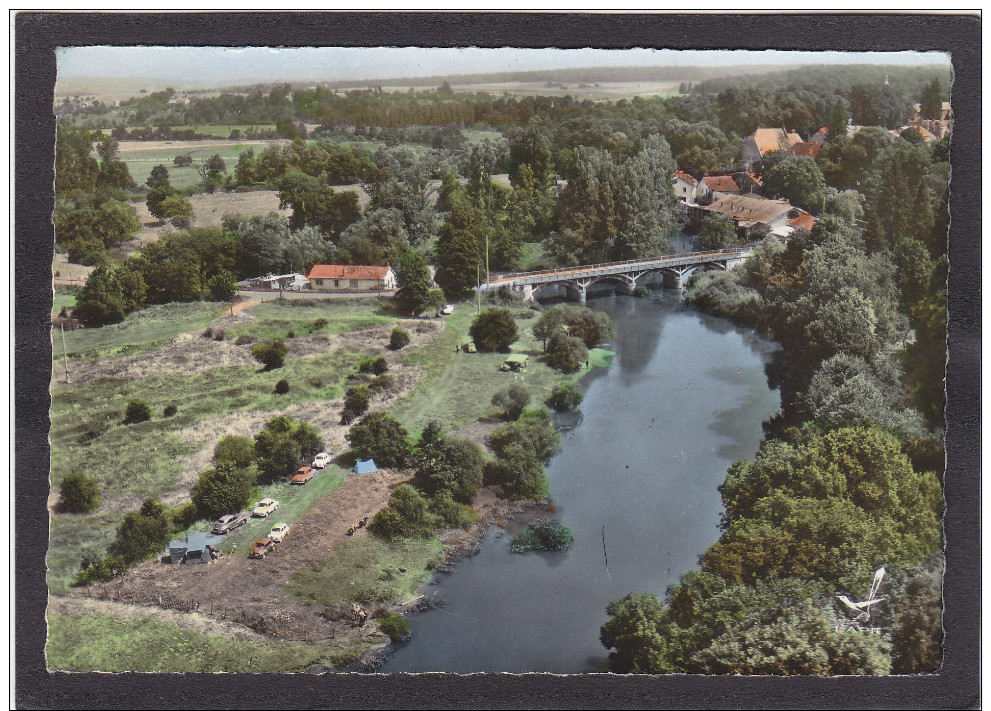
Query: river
(684, 398)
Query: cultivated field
(142, 156)
(601, 90)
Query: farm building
(195, 549)
(752, 211)
(277, 282)
(350, 277)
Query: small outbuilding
(195, 549)
(365, 466)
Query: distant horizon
(253, 65)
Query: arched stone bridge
(625, 275)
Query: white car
(264, 507)
(447, 310)
(321, 460)
(279, 532)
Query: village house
(749, 182)
(806, 148)
(351, 278)
(937, 128)
(712, 185)
(276, 282)
(764, 141)
(755, 213)
(684, 186)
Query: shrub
(380, 383)
(170, 411)
(137, 411)
(222, 491)
(282, 387)
(219, 334)
(355, 403)
(407, 516)
(512, 400)
(290, 334)
(245, 340)
(78, 494)
(566, 353)
(395, 626)
(376, 366)
(450, 464)
(399, 338)
(318, 324)
(142, 534)
(382, 438)
(271, 354)
(565, 397)
(282, 445)
(494, 330)
(94, 571)
(234, 450)
(207, 333)
(547, 536)
(450, 512)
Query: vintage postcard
(421, 359)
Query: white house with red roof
(351, 278)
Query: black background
(36, 37)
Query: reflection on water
(686, 398)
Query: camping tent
(365, 466)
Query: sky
(220, 66)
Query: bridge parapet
(631, 269)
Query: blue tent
(365, 466)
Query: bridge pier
(673, 279)
(528, 293)
(575, 292)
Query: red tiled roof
(721, 184)
(756, 178)
(806, 149)
(685, 176)
(805, 221)
(346, 271)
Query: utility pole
(478, 289)
(65, 356)
(487, 257)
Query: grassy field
(65, 298)
(367, 570)
(458, 387)
(130, 462)
(140, 162)
(223, 131)
(277, 318)
(106, 643)
(140, 332)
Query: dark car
(226, 524)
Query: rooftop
(346, 271)
(749, 210)
(685, 176)
(769, 140)
(721, 184)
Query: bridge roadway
(625, 274)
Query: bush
(222, 491)
(137, 411)
(566, 353)
(450, 464)
(380, 383)
(142, 534)
(547, 536)
(355, 403)
(407, 516)
(170, 411)
(513, 400)
(271, 354)
(451, 513)
(207, 333)
(395, 626)
(376, 366)
(565, 397)
(382, 438)
(94, 571)
(282, 445)
(237, 451)
(78, 494)
(219, 334)
(245, 340)
(399, 338)
(494, 330)
(282, 387)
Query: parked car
(302, 475)
(321, 460)
(261, 548)
(264, 507)
(226, 524)
(447, 310)
(279, 532)
(469, 347)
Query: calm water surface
(685, 397)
